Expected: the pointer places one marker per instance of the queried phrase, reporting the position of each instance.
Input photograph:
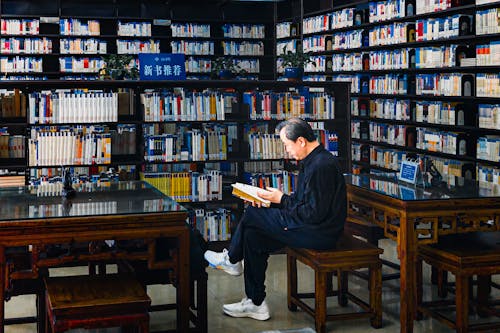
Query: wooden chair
(350, 254)
(372, 233)
(464, 256)
(96, 302)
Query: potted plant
(119, 67)
(225, 68)
(294, 62)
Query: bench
(95, 302)
(350, 254)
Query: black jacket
(320, 200)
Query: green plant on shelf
(297, 59)
(226, 68)
(119, 67)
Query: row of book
(391, 134)
(69, 145)
(443, 27)
(266, 146)
(439, 112)
(82, 174)
(214, 225)
(388, 59)
(12, 103)
(394, 33)
(318, 64)
(11, 146)
(134, 29)
(196, 145)
(486, 173)
(283, 105)
(71, 26)
(284, 30)
(429, 6)
(440, 141)
(82, 46)
(389, 109)
(488, 148)
(193, 48)
(75, 209)
(243, 48)
(14, 45)
(72, 106)
(244, 30)
(187, 186)
(180, 130)
(137, 46)
(19, 26)
(21, 65)
(190, 30)
(488, 85)
(74, 64)
(488, 21)
(285, 181)
(348, 40)
(347, 62)
(488, 54)
(386, 10)
(489, 116)
(444, 84)
(186, 105)
(123, 139)
(198, 65)
(388, 84)
(436, 56)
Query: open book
(249, 193)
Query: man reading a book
(311, 217)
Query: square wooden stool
(464, 256)
(350, 254)
(96, 302)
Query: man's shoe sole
(257, 316)
(230, 272)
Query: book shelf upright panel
(422, 80)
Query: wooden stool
(95, 302)
(198, 308)
(350, 254)
(464, 256)
(372, 233)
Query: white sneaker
(220, 260)
(246, 308)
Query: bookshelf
(423, 79)
(191, 139)
(65, 39)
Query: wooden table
(37, 218)
(413, 215)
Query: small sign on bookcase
(410, 171)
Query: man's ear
(302, 141)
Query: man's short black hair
(295, 128)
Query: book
(249, 193)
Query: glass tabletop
(451, 188)
(90, 199)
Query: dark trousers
(261, 232)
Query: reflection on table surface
(452, 187)
(42, 201)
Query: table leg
(2, 288)
(183, 287)
(407, 255)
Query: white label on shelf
(49, 19)
(165, 23)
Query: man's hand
(272, 194)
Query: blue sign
(162, 66)
(408, 171)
